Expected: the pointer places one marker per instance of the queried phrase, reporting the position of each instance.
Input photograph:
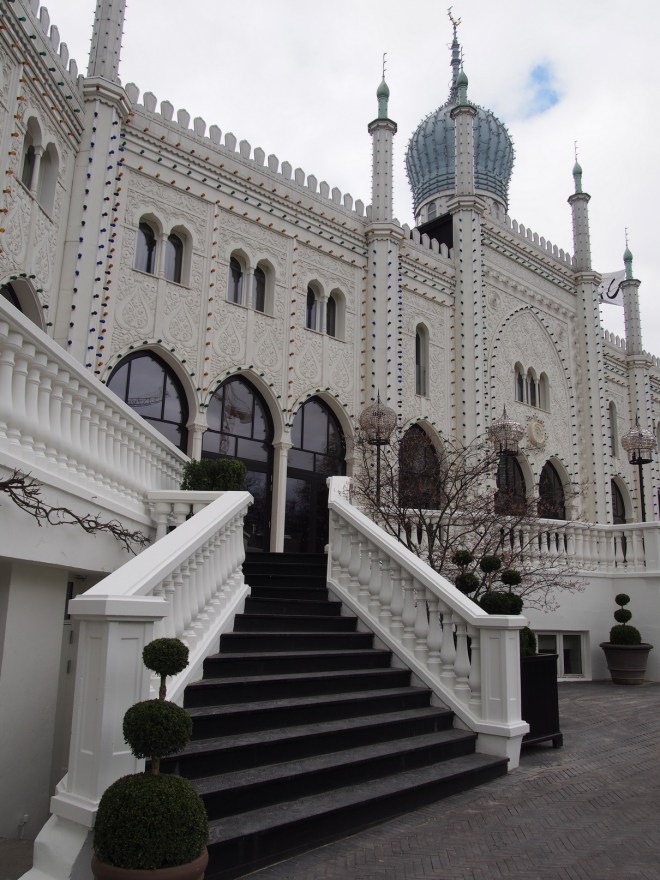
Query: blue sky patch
(544, 92)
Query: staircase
(303, 732)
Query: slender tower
(593, 437)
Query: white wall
(32, 604)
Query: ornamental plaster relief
(17, 226)
(267, 347)
(228, 337)
(178, 319)
(525, 280)
(341, 365)
(169, 204)
(307, 365)
(6, 71)
(266, 244)
(135, 308)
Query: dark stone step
(225, 691)
(297, 570)
(297, 607)
(288, 590)
(276, 559)
(300, 641)
(265, 714)
(265, 663)
(291, 623)
(255, 748)
(241, 843)
(238, 791)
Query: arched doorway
(152, 388)
(318, 452)
(511, 495)
(240, 426)
(419, 471)
(552, 502)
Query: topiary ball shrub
(467, 582)
(510, 577)
(165, 656)
(462, 558)
(500, 602)
(489, 564)
(214, 475)
(156, 728)
(622, 599)
(621, 634)
(622, 615)
(527, 642)
(148, 822)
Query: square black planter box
(540, 699)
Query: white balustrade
(56, 415)
(190, 585)
(470, 659)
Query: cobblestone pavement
(587, 811)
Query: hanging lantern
(377, 421)
(640, 444)
(505, 434)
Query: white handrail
(470, 659)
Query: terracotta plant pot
(626, 663)
(190, 871)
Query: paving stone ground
(587, 811)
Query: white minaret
(106, 40)
(593, 439)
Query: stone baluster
(160, 513)
(374, 584)
(474, 680)
(189, 633)
(396, 605)
(32, 428)
(448, 650)
(434, 638)
(364, 574)
(354, 563)
(7, 362)
(462, 661)
(335, 544)
(77, 452)
(345, 555)
(41, 417)
(421, 622)
(385, 594)
(17, 424)
(409, 615)
(178, 604)
(169, 621)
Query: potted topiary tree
(151, 821)
(626, 654)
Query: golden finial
(384, 62)
(454, 21)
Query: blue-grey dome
(430, 159)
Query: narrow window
(421, 361)
(259, 290)
(48, 171)
(173, 258)
(310, 320)
(28, 166)
(531, 388)
(614, 445)
(431, 211)
(520, 384)
(331, 316)
(145, 252)
(544, 392)
(235, 290)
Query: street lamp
(377, 421)
(640, 444)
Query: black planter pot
(627, 663)
(540, 699)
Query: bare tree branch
(25, 492)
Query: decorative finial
(455, 21)
(383, 93)
(456, 58)
(384, 63)
(627, 259)
(577, 170)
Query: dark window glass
(145, 252)
(551, 494)
(511, 494)
(259, 290)
(153, 390)
(520, 386)
(331, 316)
(235, 289)
(7, 292)
(173, 258)
(419, 471)
(310, 320)
(618, 507)
(28, 167)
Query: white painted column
(278, 508)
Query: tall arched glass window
(28, 165)
(520, 383)
(421, 361)
(618, 505)
(544, 392)
(235, 286)
(7, 292)
(151, 387)
(511, 495)
(419, 471)
(145, 251)
(259, 290)
(173, 258)
(531, 388)
(331, 316)
(552, 501)
(240, 426)
(614, 434)
(48, 172)
(310, 314)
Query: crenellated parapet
(529, 238)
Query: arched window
(421, 361)
(259, 290)
(235, 286)
(419, 471)
(511, 495)
(331, 316)
(29, 163)
(544, 392)
(150, 387)
(431, 212)
(552, 502)
(311, 309)
(618, 505)
(173, 258)
(7, 292)
(531, 387)
(240, 426)
(614, 434)
(318, 452)
(145, 251)
(520, 383)
(48, 171)
(28, 166)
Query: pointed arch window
(421, 361)
(614, 434)
(259, 290)
(48, 172)
(419, 471)
(311, 309)
(511, 495)
(544, 392)
(174, 258)
(531, 388)
(552, 501)
(235, 286)
(520, 383)
(618, 505)
(331, 316)
(145, 252)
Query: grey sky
(299, 80)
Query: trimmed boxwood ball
(621, 634)
(146, 821)
(467, 582)
(500, 602)
(214, 475)
(165, 656)
(489, 564)
(622, 615)
(510, 577)
(462, 558)
(621, 599)
(156, 728)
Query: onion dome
(430, 159)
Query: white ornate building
(244, 308)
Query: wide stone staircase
(303, 732)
